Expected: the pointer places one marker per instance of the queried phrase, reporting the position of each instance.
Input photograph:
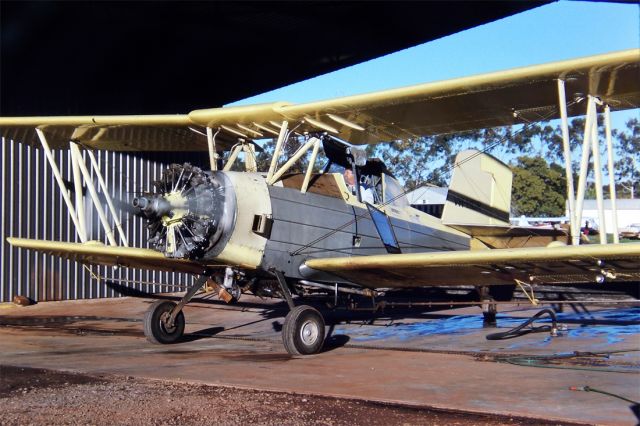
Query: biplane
(285, 234)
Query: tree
(431, 159)
(538, 188)
(628, 164)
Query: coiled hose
(521, 331)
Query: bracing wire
(525, 127)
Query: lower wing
(96, 253)
(539, 265)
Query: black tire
(155, 329)
(303, 331)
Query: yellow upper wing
(567, 264)
(456, 105)
(96, 253)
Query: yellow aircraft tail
(480, 191)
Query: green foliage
(538, 188)
(628, 164)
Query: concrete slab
(422, 357)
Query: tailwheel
(156, 323)
(303, 331)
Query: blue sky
(557, 31)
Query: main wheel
(303, 331)
(156, 328)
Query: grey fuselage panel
(307, 226)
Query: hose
(520, 330)
(590, 389)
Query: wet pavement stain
(259, 357)
(71, 324)
(613, 325)
(48, 320)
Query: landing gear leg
(285, 289)
(164, 320)
(303, 331)
(489, 311)
(489, 308)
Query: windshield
(394, 192)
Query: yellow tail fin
(480, 191)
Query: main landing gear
(164, 320)
(490, 294)
(303, 331)
(157, 324)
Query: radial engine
(191, 212)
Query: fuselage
(279, 227)
(259, 228)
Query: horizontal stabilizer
(507, 236)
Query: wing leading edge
(566, 264)
(96, 253)
(488, 100)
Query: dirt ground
(38, 397)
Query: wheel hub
(309, 332)
(165, 322)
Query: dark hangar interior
(100, 57)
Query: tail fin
(480, 191)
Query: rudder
(480, 191)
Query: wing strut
(63, 189)
(312, 142)
(213, 155)
(96, 199)
(571, 193)
(612, 182)
(250, 163)
(590, 145)
(80, 173)
(276, 152)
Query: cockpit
(376, 185)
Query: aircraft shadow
(389, 316)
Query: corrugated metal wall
(32, 207)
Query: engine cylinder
(189, 213)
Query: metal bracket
(527, 289)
